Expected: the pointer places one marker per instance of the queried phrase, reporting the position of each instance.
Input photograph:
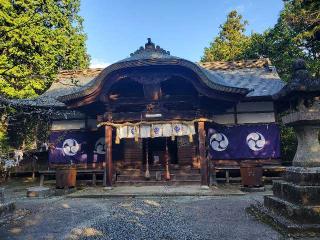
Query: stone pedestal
(295, 203)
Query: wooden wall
(248, 112)
(187, 152)
(132, 153)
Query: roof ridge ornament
(150, 47)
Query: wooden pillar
(204, 170)
(108, 168)
(166, 159)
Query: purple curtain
(244, 141)
(77, 147)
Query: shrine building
(163, 116)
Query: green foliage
(295, 35)
(37, 39)
(289, 143)
(292, 37)
(230, 43)
(278, 45)
(5, 113)
(303, 18)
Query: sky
(116, 28)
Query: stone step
(301, 195)
(131, 178)
(294, 212)
(138, 171)
(141, 177)
(182, 177)
(303, 176)
(157, 183)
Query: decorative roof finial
(150, 47)
(149, 44)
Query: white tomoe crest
(70, 147)
(256, 141)
(99, 147)
(219, 142)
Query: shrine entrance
(155, 150)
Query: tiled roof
(262, 81)
(75, 74)
(253, 74)
(231, 65)
(256, 78)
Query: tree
(294, 36)
(303, 17)
(37, 39)
(278, 45)
(230, 43)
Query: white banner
(156, 130)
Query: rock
(204, 187)
(6, 207)
(1, 195)
(39, 192)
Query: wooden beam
(204, 169)
(108, 168)
(166, 116)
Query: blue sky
(115, 28)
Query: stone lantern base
(295, 204)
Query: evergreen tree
(37, 39)
(303, 18)
(230, 43)
(289, 39)
(278, 45)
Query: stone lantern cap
(302, 84)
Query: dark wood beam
(166, 116)
(108, 167)
(204, 170)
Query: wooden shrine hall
(155, 117)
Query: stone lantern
(295, 203)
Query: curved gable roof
(152, 55)
(253, 78)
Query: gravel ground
(135, 218)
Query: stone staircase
(178, 176)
